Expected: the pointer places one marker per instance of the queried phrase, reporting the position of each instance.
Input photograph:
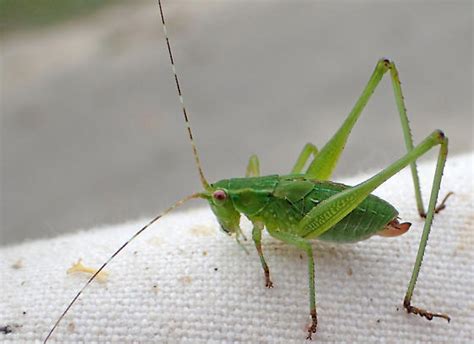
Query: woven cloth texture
(183, 281)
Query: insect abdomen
(365, 220)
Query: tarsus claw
(314, 325)
(440, 206)
(424, 313)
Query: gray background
(91, 128)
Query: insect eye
(219, 195)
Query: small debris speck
(378, 321)
(202, 231)
(24, 313)
(204, 253)
(18, 264)
(6, 329)
(80, 267)
(155, 241)
(9, 328)
(185, 279)
(215, 269)
(349, 271)
(71, 327)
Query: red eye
(219, 195)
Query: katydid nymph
(305, 204)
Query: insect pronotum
(306, 205)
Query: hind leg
(326, 159)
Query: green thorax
(280, 202)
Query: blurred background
(91, 128)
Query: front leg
(257, 239)
(253, 170)
(305, 245)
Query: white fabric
(184, 282)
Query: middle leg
(308, 150)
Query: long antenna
(177, 204)
(204, 182)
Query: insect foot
(423, 312)
(268, 282)
(314, 325)
(440, 206)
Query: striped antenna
(177, 204)
(204, 182)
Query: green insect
(305, 204)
